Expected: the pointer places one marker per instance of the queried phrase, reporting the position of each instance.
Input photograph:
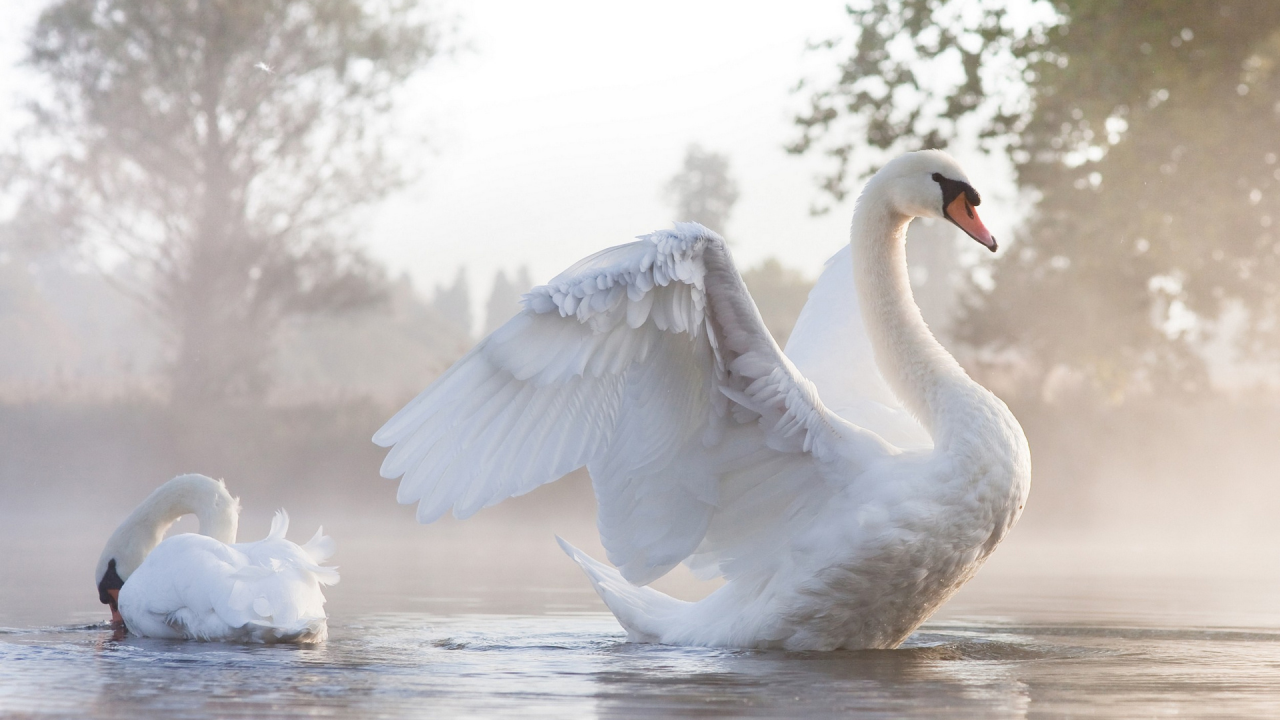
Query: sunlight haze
(557, 125)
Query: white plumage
(836, 524)
(208, 587)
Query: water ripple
(407, 664)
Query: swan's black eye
(110, 581)
(951, 189)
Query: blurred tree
(780, 293)
(914, 69)
(1149, 133)
(702, 191)
(221, 147)
(387, 353)
(454, 303)
(504, 299)
(933, 264)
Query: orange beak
(962, 213)
(116, 619)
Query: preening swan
(836, 524)
(207, 586)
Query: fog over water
(488, 617)
(1109, 598)
(255, 310)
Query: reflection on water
(576, 665)
(488, 618)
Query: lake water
(568, 666)
(430, 624)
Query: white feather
(605, 400)
(196, 587)
(707, 444)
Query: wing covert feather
(647, 363)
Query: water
(433, 623)
(415, 664)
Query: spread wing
(649, 364)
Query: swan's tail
(643, 612)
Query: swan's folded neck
(142, 531)
(924, 376)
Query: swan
(843, 489)
(207, 586)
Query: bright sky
(556, 133)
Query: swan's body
(207, 586)
(842, 524)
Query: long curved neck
(920, 371)
(142, 531)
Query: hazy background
(237, 236)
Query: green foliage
(914, 69)
(219, 147)
(1147, 131)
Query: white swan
(837, 525)
(204, 587)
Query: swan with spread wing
(844, 489)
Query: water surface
(476, 620)
(417, 665)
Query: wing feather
(647, 363)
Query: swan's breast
(890, 549)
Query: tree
(220, 147)
(914, 70)
(933, 264)
(386, 353)
(1148, 133)
(504, 299)
(780, 294)
(453, 303)
(702, 191)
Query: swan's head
(122, 555)
(138, 535)
(930, 183)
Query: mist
(254, 305)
